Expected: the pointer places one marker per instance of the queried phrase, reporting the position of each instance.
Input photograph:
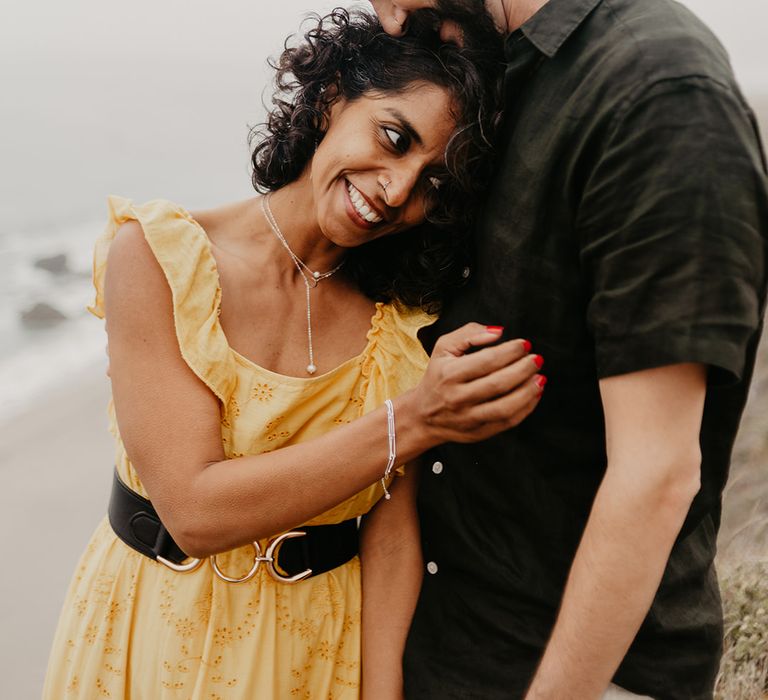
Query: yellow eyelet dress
(132, 628)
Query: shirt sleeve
(672, 232)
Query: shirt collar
(549, 28)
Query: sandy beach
(56, 460)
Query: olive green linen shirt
(625, 229)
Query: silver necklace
(311, 280)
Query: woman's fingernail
(538, 360)
(495, 329)
(541, 381)
(527, 346)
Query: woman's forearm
(391, 577)
(211, 504)
(232, 502)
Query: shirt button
(437, 468)
(465, 273)
(432, 567)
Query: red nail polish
(495, 329)
(539, 360)
(527, 346)
(541, 381)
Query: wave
(46, 333)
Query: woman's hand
(470, 396)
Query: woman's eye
(397, 139)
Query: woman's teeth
(361, 206)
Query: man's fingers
(393, 19)
(401, 18)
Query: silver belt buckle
(190, 565)
(269, 558)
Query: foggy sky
(236, 28)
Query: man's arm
(653, 420)
(390, 554)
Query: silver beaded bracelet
(392, 447)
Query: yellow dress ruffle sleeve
(130, 627)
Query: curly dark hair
(352, 55)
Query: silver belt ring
(269, 559)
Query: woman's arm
(390, 553)
(170, 421)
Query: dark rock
(42, 315)
(55, 264)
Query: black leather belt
(289, 557)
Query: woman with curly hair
(268, 384)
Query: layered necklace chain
(311, 277)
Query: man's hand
(653, 420)
(391, 16)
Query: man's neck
(518, 12)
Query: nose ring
(384, 186)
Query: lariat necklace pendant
(311, 280)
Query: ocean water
(36, 355)
(67, 141)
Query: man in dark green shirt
(625, 236)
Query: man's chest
(528, 273)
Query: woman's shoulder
(159, 226)
(153, 263)
(152, 245)
(121, 210)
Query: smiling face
(373, 170)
